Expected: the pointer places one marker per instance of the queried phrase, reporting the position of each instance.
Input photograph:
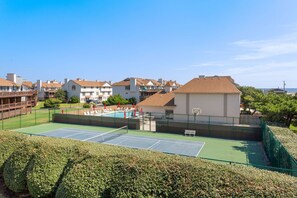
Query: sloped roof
(159, 99)
(216, 84)
(27, 84)
(172, 84)
(85, 83)
(6, 83)
(51, 85)
(139, 82)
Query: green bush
(9, 142)
(52, 103)
(86, 105)
(90, 178)
(53, 157)
(16, 167)
(74, 99)
(115, 100)
(66, 168)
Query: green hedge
(16, 167)
(287, 137)
(53, 157)
(48, 167)
(9, 142)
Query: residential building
(47, 89)
(140, 88)
(14, 101)
(217, 97)
(88, 90)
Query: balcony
(17, 94)
(16, 105)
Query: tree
(132, 100)
(251, 98)
(52, 103)
(74, 99)
(116, 99)
(279, 108)
(61, 95)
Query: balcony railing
(16, 105)
(4, 94)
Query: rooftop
(211, 85)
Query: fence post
(2, 121)
(150, 114)
(49, 115)
(188, 121)
(35, 118)
(21, 119)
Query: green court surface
(250, 152)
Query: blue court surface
(170, 146)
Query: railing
(17, 93)
(17, 104)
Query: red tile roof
(216, 84)
(159, 99)
(84, 83)
(7, 83)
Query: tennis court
(120, 137)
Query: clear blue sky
(254, 41)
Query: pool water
(119, 114)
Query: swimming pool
(119, 114)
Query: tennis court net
(108, 135)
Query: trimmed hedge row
(48, 167)
(287, 137)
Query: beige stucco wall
(218, 106)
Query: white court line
(200, 149)
(103, 134)
(158, 142)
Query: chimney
(39, 85)
(66, 80)
(11, 77)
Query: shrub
(90, 178)
(86, 105)
(115, 100)
(15, 170)
(9, 142)
(66, 168)
(74, 99)
(52, 103)
(48, 167)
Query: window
(127, 87)
(73, 87)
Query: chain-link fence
(33, 117)
(278, 155)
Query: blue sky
(253, 41)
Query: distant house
(88, 90)
(216, 96)
(47, 89)
(13, 100)
(140, 88)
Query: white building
(47, 89)
(88, 90)
(214, 99)
(140, 88)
